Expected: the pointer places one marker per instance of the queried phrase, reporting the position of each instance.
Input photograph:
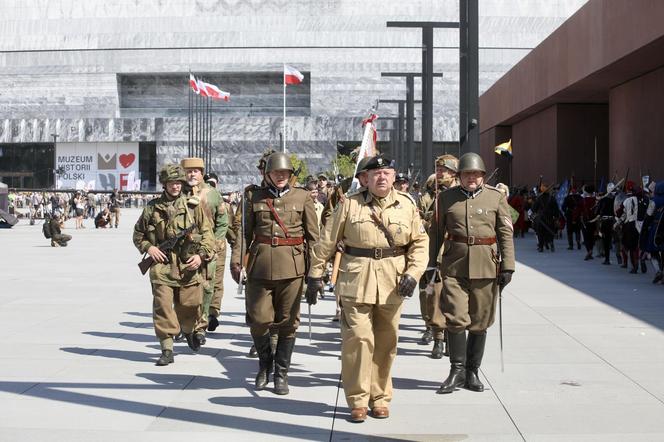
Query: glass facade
(27, 165)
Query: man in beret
(385, 253)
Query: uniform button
(471, 227)
(471, 216)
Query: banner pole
(283, 147)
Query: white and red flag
(194, 84)
(212, 91)
(292, 75)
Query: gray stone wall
(62, 64)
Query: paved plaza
(583, 358)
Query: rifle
(165, 247)
(492, 176)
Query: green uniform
(214, 208)
(176, 290)
(469, 268)
(368, 287)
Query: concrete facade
(64, 67)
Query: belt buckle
(471, 240)
(274, 241)
(378, 253)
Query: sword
(309, 306)
(500, 327)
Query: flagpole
(189, 115)
(283, 138)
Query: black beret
(379, 162)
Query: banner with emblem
(97, 166)
(368, 147)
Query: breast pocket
(292, 213)
(360, 230)
(400, 228)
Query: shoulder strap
(376, 219)
(268, 201)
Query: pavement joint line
(495, 393)
(336, 406)
(543, 316)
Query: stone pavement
(583, 355)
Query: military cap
(449, 161)
(401, 178)
(192, 163)
(379, 162)
(172, 172)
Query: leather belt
(275, 241)
(376, 253)
(474, 240)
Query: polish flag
(292, 75)
(214, 92)
(194, 84)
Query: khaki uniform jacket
(485, 214)
(369, 280)
(214, 209)
(162, 219)
(297, 212)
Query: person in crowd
(572, 208)
(58, 239)
(103, 219)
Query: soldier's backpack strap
(381, 226)
(270, 206)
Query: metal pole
(410, 119)
(55, 161)
(469, 138)
(400, 145)
(427, 100)
(189, 120)
(283, 129)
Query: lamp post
(55, 161)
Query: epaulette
(409, 196)
(251, 188)
(489, 186)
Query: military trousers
(468, 304)
(174, 308)
(273, 304)
(208, 292)
(115, 216)
(369, 334)
(215, 305)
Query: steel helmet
(471, 162)
(278, 161)
(171, 172)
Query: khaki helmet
(193, 163)
(171, 172)
(449, 161)
(470, 162)
(278, 161)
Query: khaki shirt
(483, 215)
(367, 280)
(162, 219)
(297, 212)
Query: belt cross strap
(381, 226)
(474, 240)
(376, 253)
(270, 206)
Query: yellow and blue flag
(504, 148)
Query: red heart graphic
(127, 160)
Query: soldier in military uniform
(477, 262)
(431, 284)
(214, 208)
(58, 239)
(385, 254)
(280, 223)
(175, 276)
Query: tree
(345, 165)
(300, 168)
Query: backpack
(46, 229)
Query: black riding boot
(282, 360)
(265, 361)
(438, 349)
(457, 378)
(474, 353)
